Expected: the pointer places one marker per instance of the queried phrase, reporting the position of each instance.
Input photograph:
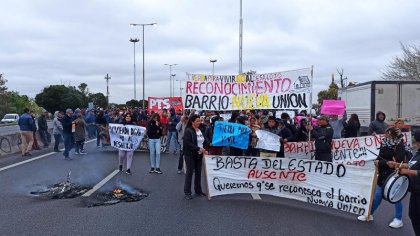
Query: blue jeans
(377, 199)
(169, 136)
(154, 147)
(68, 143)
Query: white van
(10, 118)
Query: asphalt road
(164, 211)
(8, 129)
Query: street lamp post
(107, 78)
(134, 41)
(180, 88)
(142, 25)
(213, 61)
(241, 26)
(170, 77)
(173, 84)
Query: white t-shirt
(200, 138)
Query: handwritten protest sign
(333, 107)
(267, 141)
(158, 104)
(226, 116)
(345, 188)
(351, 151)
(231, 134)
(126, 137)
(281, 90)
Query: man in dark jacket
(323, 134)
(378, 126)
(172, 133)
(26, 124)
(43, 129)
(67, 133)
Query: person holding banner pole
(194, 142)
(392, 149)
(154, 132)
(126, 155)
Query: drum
(395, 188)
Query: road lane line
(34, 159)
(100, 184)
(256, 196)
(26, 161)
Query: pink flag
(333, 107)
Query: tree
(3, 82)
(406, 67)
(98, 99)
(59, 98)
(85, 92)
(133, 103)
(330, 93)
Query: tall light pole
(142, 25)
(170, 77)
(241, 23)
(107, 78)
(213, 61)
(134, 41)
(173, 85)
(180, 88)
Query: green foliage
(330, 93)
(60, 97)
(12, 102)
(85, 93)
(98, 99)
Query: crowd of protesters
(191, 134)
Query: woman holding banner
(154, 132)
(193, 142)
(392, 149)
(126, 155)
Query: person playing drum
(392, 149)
(412, 169)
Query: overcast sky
(46, 42)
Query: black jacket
(323, 137)
(154, 131)
(66, 122)
(42, 123)
(190, 143)
(387, 153)
(351, 129)
(414, 164)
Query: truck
(397, 99)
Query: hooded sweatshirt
(378, 126)
(57, 126)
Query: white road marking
(100, 184)
(26, 161)
(34, 159)
(256, 196)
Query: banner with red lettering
(280, 90)
(359, 151)
(157, 104)
(333, 107)
(338, 186)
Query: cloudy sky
(46, 42)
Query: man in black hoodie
(323, 134)
(67, 133)
(378, 126)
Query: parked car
(10, 118)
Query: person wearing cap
(392, 149)
(26, 124)
(43, 129)
(323, 135)
(270, 126)
(412, 169)
(67, 133)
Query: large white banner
(280, 90)
(268, 140)
(126, 137)
(359, 151)
(338, 186)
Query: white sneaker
(365, 218)
(396, 223)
